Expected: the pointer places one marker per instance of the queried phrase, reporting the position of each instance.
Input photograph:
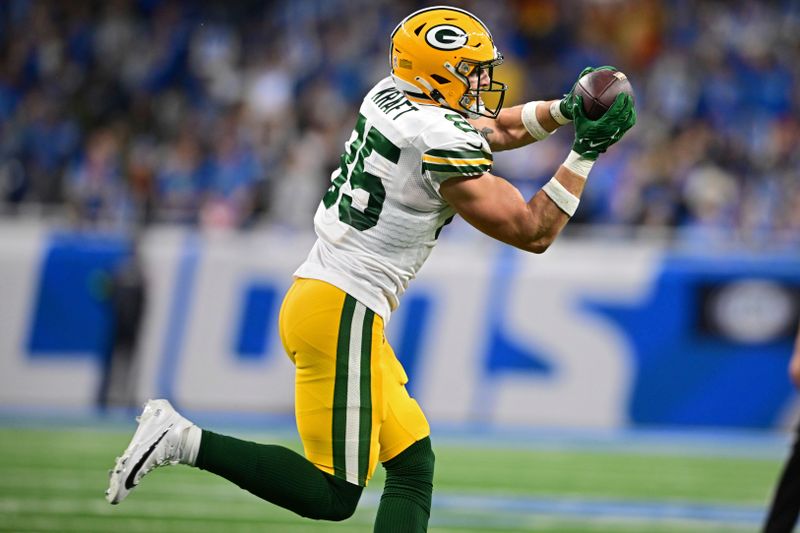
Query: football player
(785, 505)
(420, 152)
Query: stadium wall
(590, 334)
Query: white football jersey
(382, 214)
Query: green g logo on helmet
(446, 37)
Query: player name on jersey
(390, 100)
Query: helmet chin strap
(468, 105)
(416, 91)
(435, 94)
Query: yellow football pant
(351, 404)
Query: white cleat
(157, 442)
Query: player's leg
(338, 383)
(324, 332)
(406, 455)
(785, 508)
(274, 473)
(280, 476)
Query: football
(600, 88)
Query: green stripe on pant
(365, 413)
(352, 395)
(339, 422)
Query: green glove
(593, 137)
(569, 99)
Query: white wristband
(565, 200)
(555, 112)
(578, 164)
(531, 123)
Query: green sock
(406, 501)
(278, 475)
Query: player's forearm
(508, 130)
(547, 217)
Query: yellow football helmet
(433, 52)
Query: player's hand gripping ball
(599, 89)
(602, 107)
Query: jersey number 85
(351, 168)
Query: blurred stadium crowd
(123, 113)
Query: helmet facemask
(480, 101)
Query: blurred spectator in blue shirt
(94, 187)
(235, 176)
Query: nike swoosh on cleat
(129, 484)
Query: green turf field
(54, 480)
